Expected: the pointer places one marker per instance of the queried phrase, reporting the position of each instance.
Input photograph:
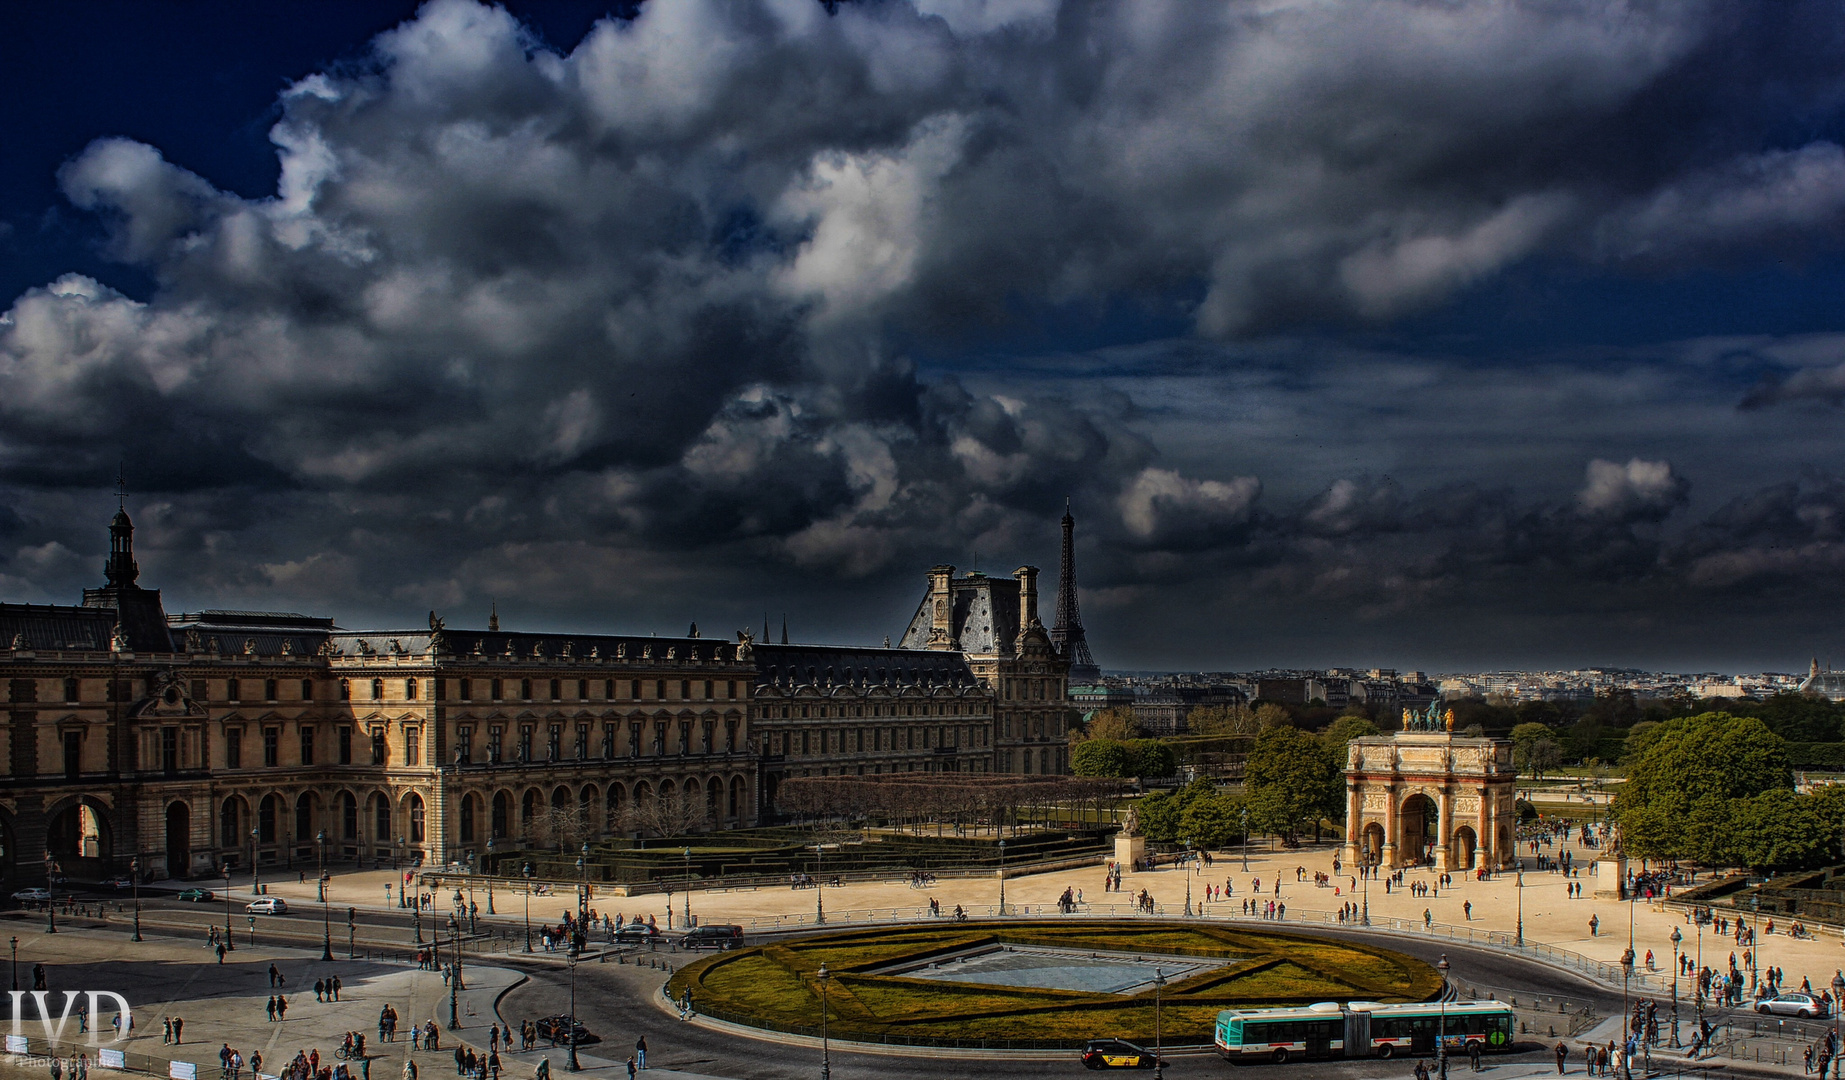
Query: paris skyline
(1484, 336)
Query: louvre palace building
(203, 739)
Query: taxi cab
(1116, 1054)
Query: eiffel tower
(1067, 634)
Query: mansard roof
(52, 627)
(819, 665)
(985, 619)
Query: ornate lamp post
(1838, 996)
(1627, 971)
(1676, 938)
(1002, 879)
(573, 1064)
(1246, 848)
(1159, 1064)
(528, 906)
(1441, 1039)
(454, 978)
(15, 963)
(416, 918)
(51, 916)
(473, 920)
(134, 876)
(581, 937)
(1521, 902)
(819, 885)
(403, 890)
(490, 910)
(256, 872)
(826, 1054)
(688, 886)
(228, 943)
(1188, 878)
(326, 914)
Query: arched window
(304, 818)
(381, 819)
(265, 819)
(230, 823)
(502, 813)
(470, 807)
(416, 819)
(349, 816)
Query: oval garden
(1038, 984)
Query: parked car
(715, 936)
(556, 1029)
(197, 896)
(1793, 1004)
(1116, 1054)
(118, 883)
(636, 933)
(267, 905)
(33, 896)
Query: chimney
(941, 608)
(1028, 597)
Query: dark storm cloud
(632, 309)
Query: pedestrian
(493, 1064)
(320, 989)
(166, 1029)
(1473, 1054)
(631, 1069)
(1467, 910)
(281, 1013)
(220, 952)
(640, 1051)
(409, 1068)
(416, 1037)
(1563, 1053)
(274, 973)
(1594, 925)
(178, 1028)
(543, 1072)
(336, 988)
(57, 1067)
(461, 1060)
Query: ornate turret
(121, 569)
(141, 624)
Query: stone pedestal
(1611, 878)
(1129, 850)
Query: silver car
(1793, 1004)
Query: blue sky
(1440, 336)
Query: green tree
(1100, 757)
(1159, 816)
(1271, 715)
(1639, 737)
(1117, 724)
(1290, 781)
(1150, 758)
(1212, 821)
(1344, 730)
(1220, 720)
(1533, 749)
(1670, 806)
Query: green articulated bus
(1362, 1029)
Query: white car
(33, 895)
(267, 905)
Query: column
(1389, 854)
(1444, 831)
(1483, 847)
(1354, 827)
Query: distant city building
(1827, 684)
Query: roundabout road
(618, 1003)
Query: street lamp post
(1246, 846)
(15, 963)
(819, 884)
(1676, 938)
(1838, 996)
(1441, 1039)
(581, 938)
(326, 914)
(454, 977)
(256, 872)
(228, 943)
(416, 918)
(51, 915)
(1002, 879)
(826, 1054)
(490, 910)
(688, 887)
(1627, 971)
(473, 919)
(572, 1063)
(1159, 1065)
(1188, 879)
(1521, 901)
(134, 877)
(528, 906)
(403, 890)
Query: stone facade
(1420, 797)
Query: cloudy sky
(1416, 334)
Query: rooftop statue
(1431, 720)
